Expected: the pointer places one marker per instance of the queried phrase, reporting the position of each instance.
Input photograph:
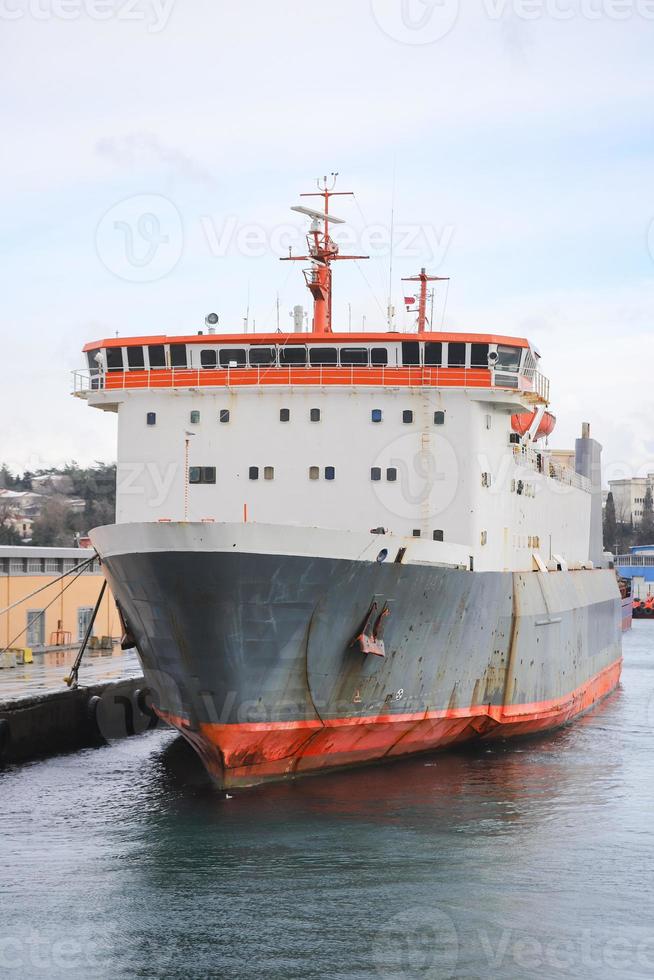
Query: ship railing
(541, 462)
(635, 561)
(95, 379)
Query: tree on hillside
(646, 529)
(8, 533)
(610, 526)
(52, 528)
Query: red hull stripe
(251, 752)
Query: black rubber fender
(5, 737)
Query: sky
(151, 149)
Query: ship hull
(257, 657)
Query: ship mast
(322, 251)
(423, 279)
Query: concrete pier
(41, 716)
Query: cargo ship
(333, 548)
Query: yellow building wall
(83, 592)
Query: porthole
(253, 473)
(194, 418)
(314, 472)
(439, 418)
(407, 416)
(391, 474)
(330, 473)
(151, 418)
(314, 415)
(224, 415)
(269, 472)
(284, 415)
(375, 474)
(376, 415)
(437, 535)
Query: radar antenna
(423, 279)
(322, 251)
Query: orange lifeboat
(521, 422)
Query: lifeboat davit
(522, 421)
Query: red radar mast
(423, 279)
(322, 251)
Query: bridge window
(262, 356)
(407, 416)
(354, 355)
(434, 353)
(391, 474)
(439, 418)
(479, 355)
(178, 355)
(330, 473)
(379, 357)
(135, 358)
(114, 359)
(293, 355)
(323, 356)
(410, 353)
(508, 358)
(284, 415)
(232, 358)
(224, 415)
(208, 358)
(314, 415)
(376, 415)
(253, 473)
(375, 474)
(157, 355)
(456, 356)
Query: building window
(407, 415)
(151, 418)
(201, 474)
(330, 473)
(35, 627)
(224, 415)
(439, 418)
(253, 473)
(376, 415)
(314, 472)
(34, 566)
(391, 474)
(208, 358)
(416, 532)
(314, 415)
(194, 418)
(269, 472)
(53, 565)
(437, 535)
(375, 474)
(284, 415)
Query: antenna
(322, 250)
(391, 310)
(423, 279)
